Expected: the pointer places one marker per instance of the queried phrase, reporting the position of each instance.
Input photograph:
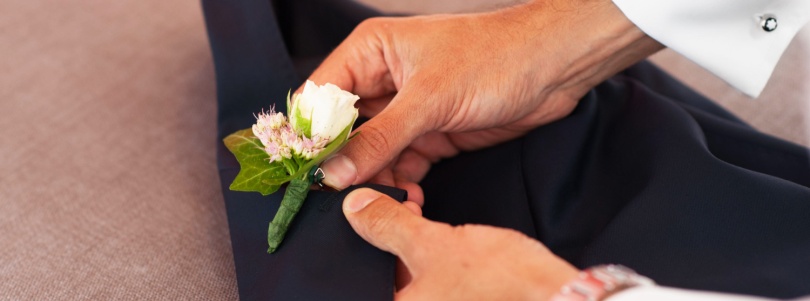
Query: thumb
(382, 221)
(377, 143)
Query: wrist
(611, 44)
(548, 277)
(591, 40)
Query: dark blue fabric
(321, 257)
(687, 197)
(645, 172)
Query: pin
(318, 176)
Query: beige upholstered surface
(108, 184)
(108, 181)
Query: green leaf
(289, 106)
(304, 125)
(256, 173)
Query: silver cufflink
(768, 22)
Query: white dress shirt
(660, 293)
(730, 38)
(734, 40)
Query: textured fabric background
(108, 184)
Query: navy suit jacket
(645, 172)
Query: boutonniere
(279, 149)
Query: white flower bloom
(317, 117)
(327, 109)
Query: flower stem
(293, 200)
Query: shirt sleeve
(727, 37)
(660, 293)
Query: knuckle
(372, 24)
(430, 100)
(378, 146)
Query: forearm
(590, 41)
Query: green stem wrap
(293, 199)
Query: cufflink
(767, 22)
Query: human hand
(442, 262)
(437, 85)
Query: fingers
(415, 193)
(332, 70)
(413, 207)
(412, 166)
(415, 161)
(389, 177)
(378, 142)
(382, 221)
(403, 276)
(358, 64)
(370, 107)
(367, 65)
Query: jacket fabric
(645, 173)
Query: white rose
(327, 109)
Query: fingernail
(339, 171)
(359, 199)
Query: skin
(442, 262)
(438, 85)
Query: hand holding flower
(437, 85)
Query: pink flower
(273, 150)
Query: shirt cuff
(660, 293)
(724, 36)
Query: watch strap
(599, 282)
